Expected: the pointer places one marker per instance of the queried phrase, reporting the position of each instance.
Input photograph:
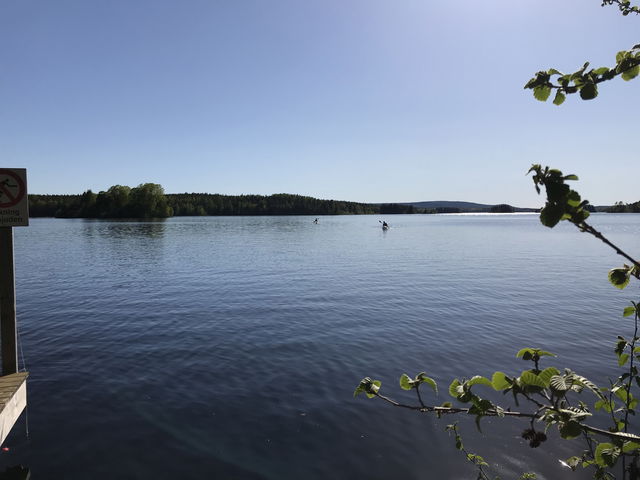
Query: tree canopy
(147, 200)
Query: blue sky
(363, 100)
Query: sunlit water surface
(229, 347)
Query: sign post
(14, 212)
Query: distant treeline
(149, 201)
(620, 207)
(279, 204)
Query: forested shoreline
(620, 207)
(149, 201)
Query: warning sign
(14, 205)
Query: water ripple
(229, 347)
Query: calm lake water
(229, 347)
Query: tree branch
(507, 413)
(585, 227)
(625, 7)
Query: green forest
(149, 201)
(620, 207)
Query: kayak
(385, 227)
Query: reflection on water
(117, 229)
(229, 347)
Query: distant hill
(444, 206)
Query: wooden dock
(13, 400)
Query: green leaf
(559, 98)
(589, 91)
(531, 379)
(558, 383)
(584, 382)
(630, 447)
(576, 77)
(619, 277)
(556, 188)
(571, 463)
(621, 55)
(406, 383)
(476, 460)
(550, 215)
(478, 379)
(528, 353)
(499, 381)
(542, 92)
(368, 387)
(622, 394)
(606, 454)
(373, 388)
(532, 83)
(601, 70)
(628, 311)
(453, 388)
(546, 375)
(622, 359)
(605, 405)
(573, 198)
(571, 177)
(422, 378)
(525, 351)
(581, 216)
(620, 346)
(570, 429)
(631, 73)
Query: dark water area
(229, 347)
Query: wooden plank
(8, 335)
(13, 401)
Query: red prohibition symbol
(12, 188)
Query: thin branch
(625, 8)
(585, 227)
(507, 413)
(614, 435)
(632, 347)
(419, 397)
(540, 405)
